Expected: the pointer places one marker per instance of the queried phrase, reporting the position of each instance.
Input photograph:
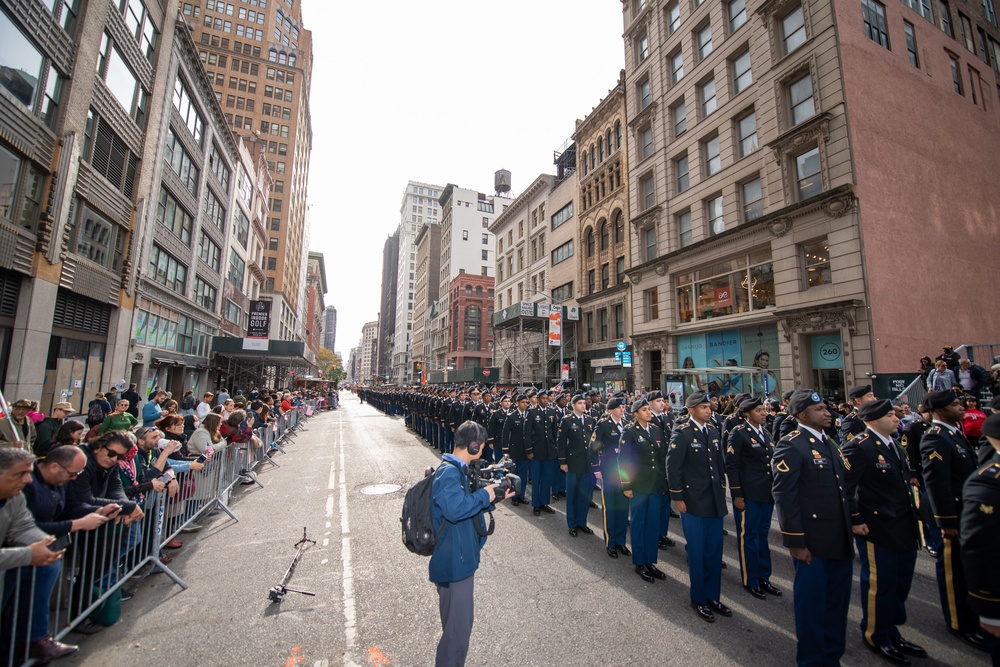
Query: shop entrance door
(828, 366)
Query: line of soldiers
(834, 486)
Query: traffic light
(418, 367)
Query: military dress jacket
(538, 438)
(641, 460)
(748, 464)
(810, 495)
(980, 537)
(913, 433)
(481, 414)
(878, 488)
(573, 443)
(696, 470)
(604, 449)
(512, 438)
(947, 460)
(850, 426)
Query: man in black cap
(596, 407)
(948, 460)
(851, 425)
(665, 421)
(513, 439)
(494, 428)
(748, 467)
(885, 529)
(815, 519)
(644, 483)
(981, 539)
(575, 431)
(735, 416)
(950, 357)
(540, 444)
(696, 471)
(604, 452)
(783, 422)
(913, 433)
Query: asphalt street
(542, 596)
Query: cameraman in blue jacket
(456, 554)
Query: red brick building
(470, 341)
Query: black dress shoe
(586, 530)
(537, 511)
(547, 509)
(770, 588)
(906, 647)
(593, 505)
(756, 592)
(674, 515)
(703, 611)
(720, 609)
(561, 494)
(572, 531)
(971, 638)
(644, 573)
(890, 653)
(47, 649)
(623, 550)
(931, 552)
(612, 552)
(516, 501)
(666, 542)
(656, 572)
(724, 566)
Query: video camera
(483, 473)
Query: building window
(171, 215)
(989, 11)
(214, 211)
(713, 158)
(800, 94)
(966, 25)
(604, 234)
(817, 262)
(873, 14)
(647, 142)
(645, 99)
(603, 317)
(911, 43)
(619, 322)
(742, 75)
(122, 82)
(714, 213)
(746, 128)
(591, 285)
(619, 227)
(680, 119)
(20, 190)
(972, 85)
(809, 181)
(109, 155)
(673, 17)
(649, 238)
(685, 230)
(642, 48)
(793, 29)
(166, 270)
(189, 114)
(486, 255)
(923, 7)
(589, 319)
(233, 313)
(945, 17)
(956, 74)
(708, 99)
(181, 163)
(620, 271)
(704, 41)
(486, 239)
(752, 196)
(677, 66)
(99, 240)
(562, 293)
(739, 285)
(209, 253)
(237, 269)
(651, 304)
(205, 294)
(737, 14)
(605, 276)
(647, 192)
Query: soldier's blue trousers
(644, 511)
(886, 576)
(578, 491)
(704, 552)
(822, 592)
(542, 477)
(615, 506)
(523, 468)
(958, 615)
(752, 527)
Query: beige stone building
(425, 295)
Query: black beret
(619, 394)
(615, 403)
(578, 398)
(873, 410)
(939, 399)
(519, 398)
(991, 427)
(859, 391)
(697, 398)
(750, 403)
(530, 393)
(785, 395)
(802, 399)
(653, 395)
(641, 403)
(740, 397)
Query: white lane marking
(326, 542)
(350, 619)
(321, 663)
(329, 505)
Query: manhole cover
(380, 489)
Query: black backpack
(95, 415)
(418, 525)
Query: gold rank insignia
(847, 464)
(935, 455)
(730, 449)
(903, 442)
(782, 466)
(986, 509)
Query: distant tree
(331, 364)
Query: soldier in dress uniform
(981, 539)
(748, 467)
(513, 442)
(573, 446)
(696, 472)
(664, 420)
(913, 433)
(852, 425)
(494, 428)
(557, 410)
(604, 463)
(884, 520)
(716, 417)
(644, 483)
(596, 407)
(948, 460)
(813, 511)
(541, 449)
(783, 422)
(736, 417)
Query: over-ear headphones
(474, 447)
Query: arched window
(604, 234)
(619, 227)
(600, 150)
(592, 156)
(608, 141)
(618, 134)
(472, 328)
(468, 290)
(272, 55)
(590, 243)
(479, 292)
(583, 163)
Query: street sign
(626, 360)
(621, 346)
(565, 371)
(618, 356)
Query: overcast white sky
(440, 91)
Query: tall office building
(418, 207)
(387, 305)
(330, 327)
(259, 58)
(369, 351)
